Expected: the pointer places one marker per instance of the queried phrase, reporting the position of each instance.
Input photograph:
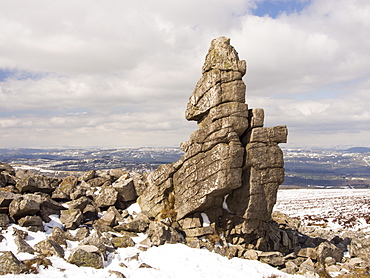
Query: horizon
(119, 74)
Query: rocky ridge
(218, 196)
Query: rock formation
(232, 166)
(218, 196)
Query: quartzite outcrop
(227, 180)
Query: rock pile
(218, 196)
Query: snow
(205, 218)
(179, 260)
(169, 260)
(134, 209)
(330, 208)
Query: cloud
(120, 73)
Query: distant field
(328, 208)
(304, 168)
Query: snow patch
(206, 221)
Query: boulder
(119, 173)
(122, 242)
(6, 168)
(86, 255)
(4, 220)
(99, 181)
(88, 175)
(136, 226)
(79, 203)
(360, 248)
(272, 258)
(21, 207)
(7, 197)
(37, 184)
(159, 234)
(125, 188)
(327, 249)
(107, 197)
(96, 239)
(110, 217)
(23, 246)
(32, 223)
(66, 187)
(49, 247)
(9, 264)
(308, 252)
(71, 218)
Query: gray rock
(9, 264)
(4, 220)
(119, 173)
(71, 218)
(327, 249)
(23, 206)
(66, 187)
(49, 247)
(23, 246)
(88, 175)
(122, 242)
(6, 168)
(272, 258)
(160, 233)
(360, 248)
(86, 255)
(99, 181)
(107, 197)
(125, 188)
(96, 239)
(37, 184)
(110, 217)
(33, 223)
(136, 226)
(7, 197)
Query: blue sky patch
(273, 8)
(18, 75)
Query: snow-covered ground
(169, 260)
(328, 207)
(335, 209)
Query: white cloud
(120, 72)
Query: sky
(118, 73)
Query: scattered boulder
(360, 248)
(107, 197)
(32, 223)
(86, 255)
(122, 242)
(23, 246)
(136, 226)
(327, 249)
(71, 218)
(21, 207)
(9, 264)
(49, 247)
(159, 234)
(37, 184)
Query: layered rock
(232, 165)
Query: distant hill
(358, 150)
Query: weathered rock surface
(86, 255)
(232, 165)
(10, 264)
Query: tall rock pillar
(232, 166)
